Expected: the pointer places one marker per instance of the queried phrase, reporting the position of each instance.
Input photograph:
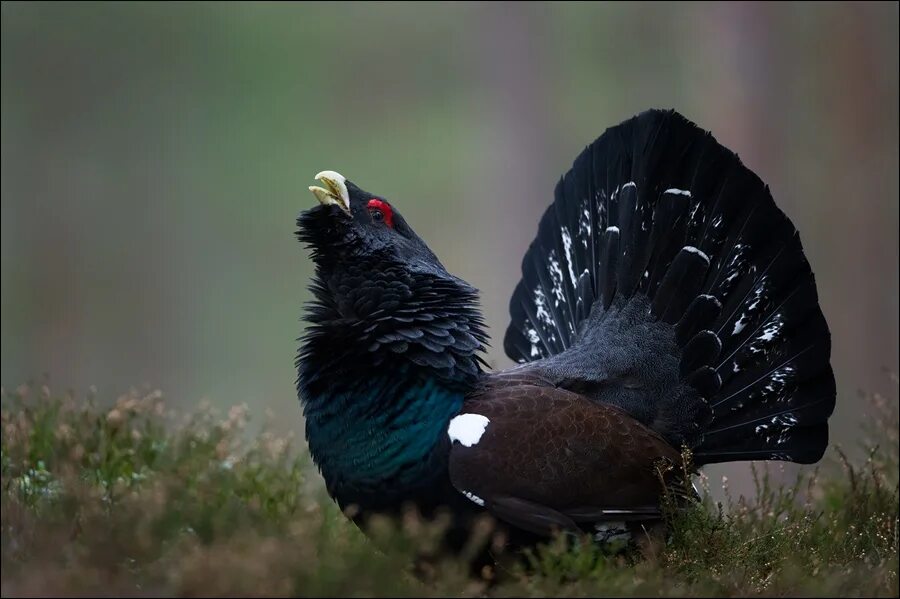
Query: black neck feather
(384, 342)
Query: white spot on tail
(567, 246)
(630, 184)
(783, 424)
(680, 192)
(540, 306)
(759, 295)
(533, 339)
(780, 379)
(616, 229)
(784, 420)
(737, 265)
(473, 497)
(694, 211)
(467, 428)
(556, 276)
(772, 329)
(584, 223)
(693, 250)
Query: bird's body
(665, 304)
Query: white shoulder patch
(467, 428)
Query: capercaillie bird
(665, 304)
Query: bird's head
(350, 227)
(380, 293)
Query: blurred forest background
(155, 156)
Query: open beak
(335, 191)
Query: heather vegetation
(128, 497)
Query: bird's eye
(381, 212)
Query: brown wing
(547, 458)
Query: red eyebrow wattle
(385, 210)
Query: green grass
(128, 498)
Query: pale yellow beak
(336, 192)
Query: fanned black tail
(656, 208)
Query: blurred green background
(154, 157)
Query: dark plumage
(665, 303)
